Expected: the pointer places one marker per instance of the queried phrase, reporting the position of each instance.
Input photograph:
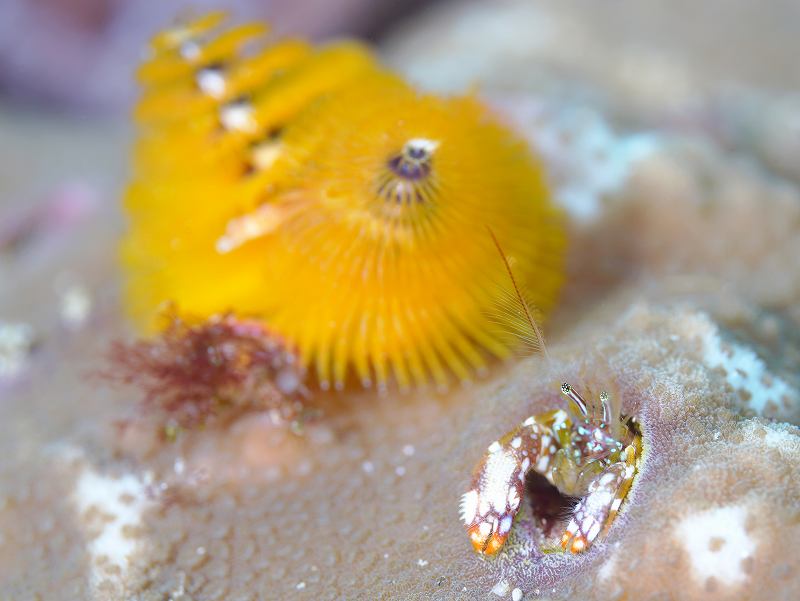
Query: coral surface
(681, 299)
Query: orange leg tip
(483, 544)
(576, 544)
(494, 545)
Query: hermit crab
(589, 451)
(583, 452)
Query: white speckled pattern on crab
(499, 477)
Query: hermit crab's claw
(485, 538)
(487, 532)
(596, 511)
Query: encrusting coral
(311, 189)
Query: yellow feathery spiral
(311, 189)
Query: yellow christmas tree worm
(313, 190)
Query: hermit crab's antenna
(523, 306)
(525, 314)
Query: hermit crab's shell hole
(549, 506)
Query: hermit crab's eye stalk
(570, 393)
(604, 402)
(408, 178)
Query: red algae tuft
(219, 368)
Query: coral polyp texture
(313, 190)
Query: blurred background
(721, 70)
(78, 53)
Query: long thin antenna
(520, 297)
